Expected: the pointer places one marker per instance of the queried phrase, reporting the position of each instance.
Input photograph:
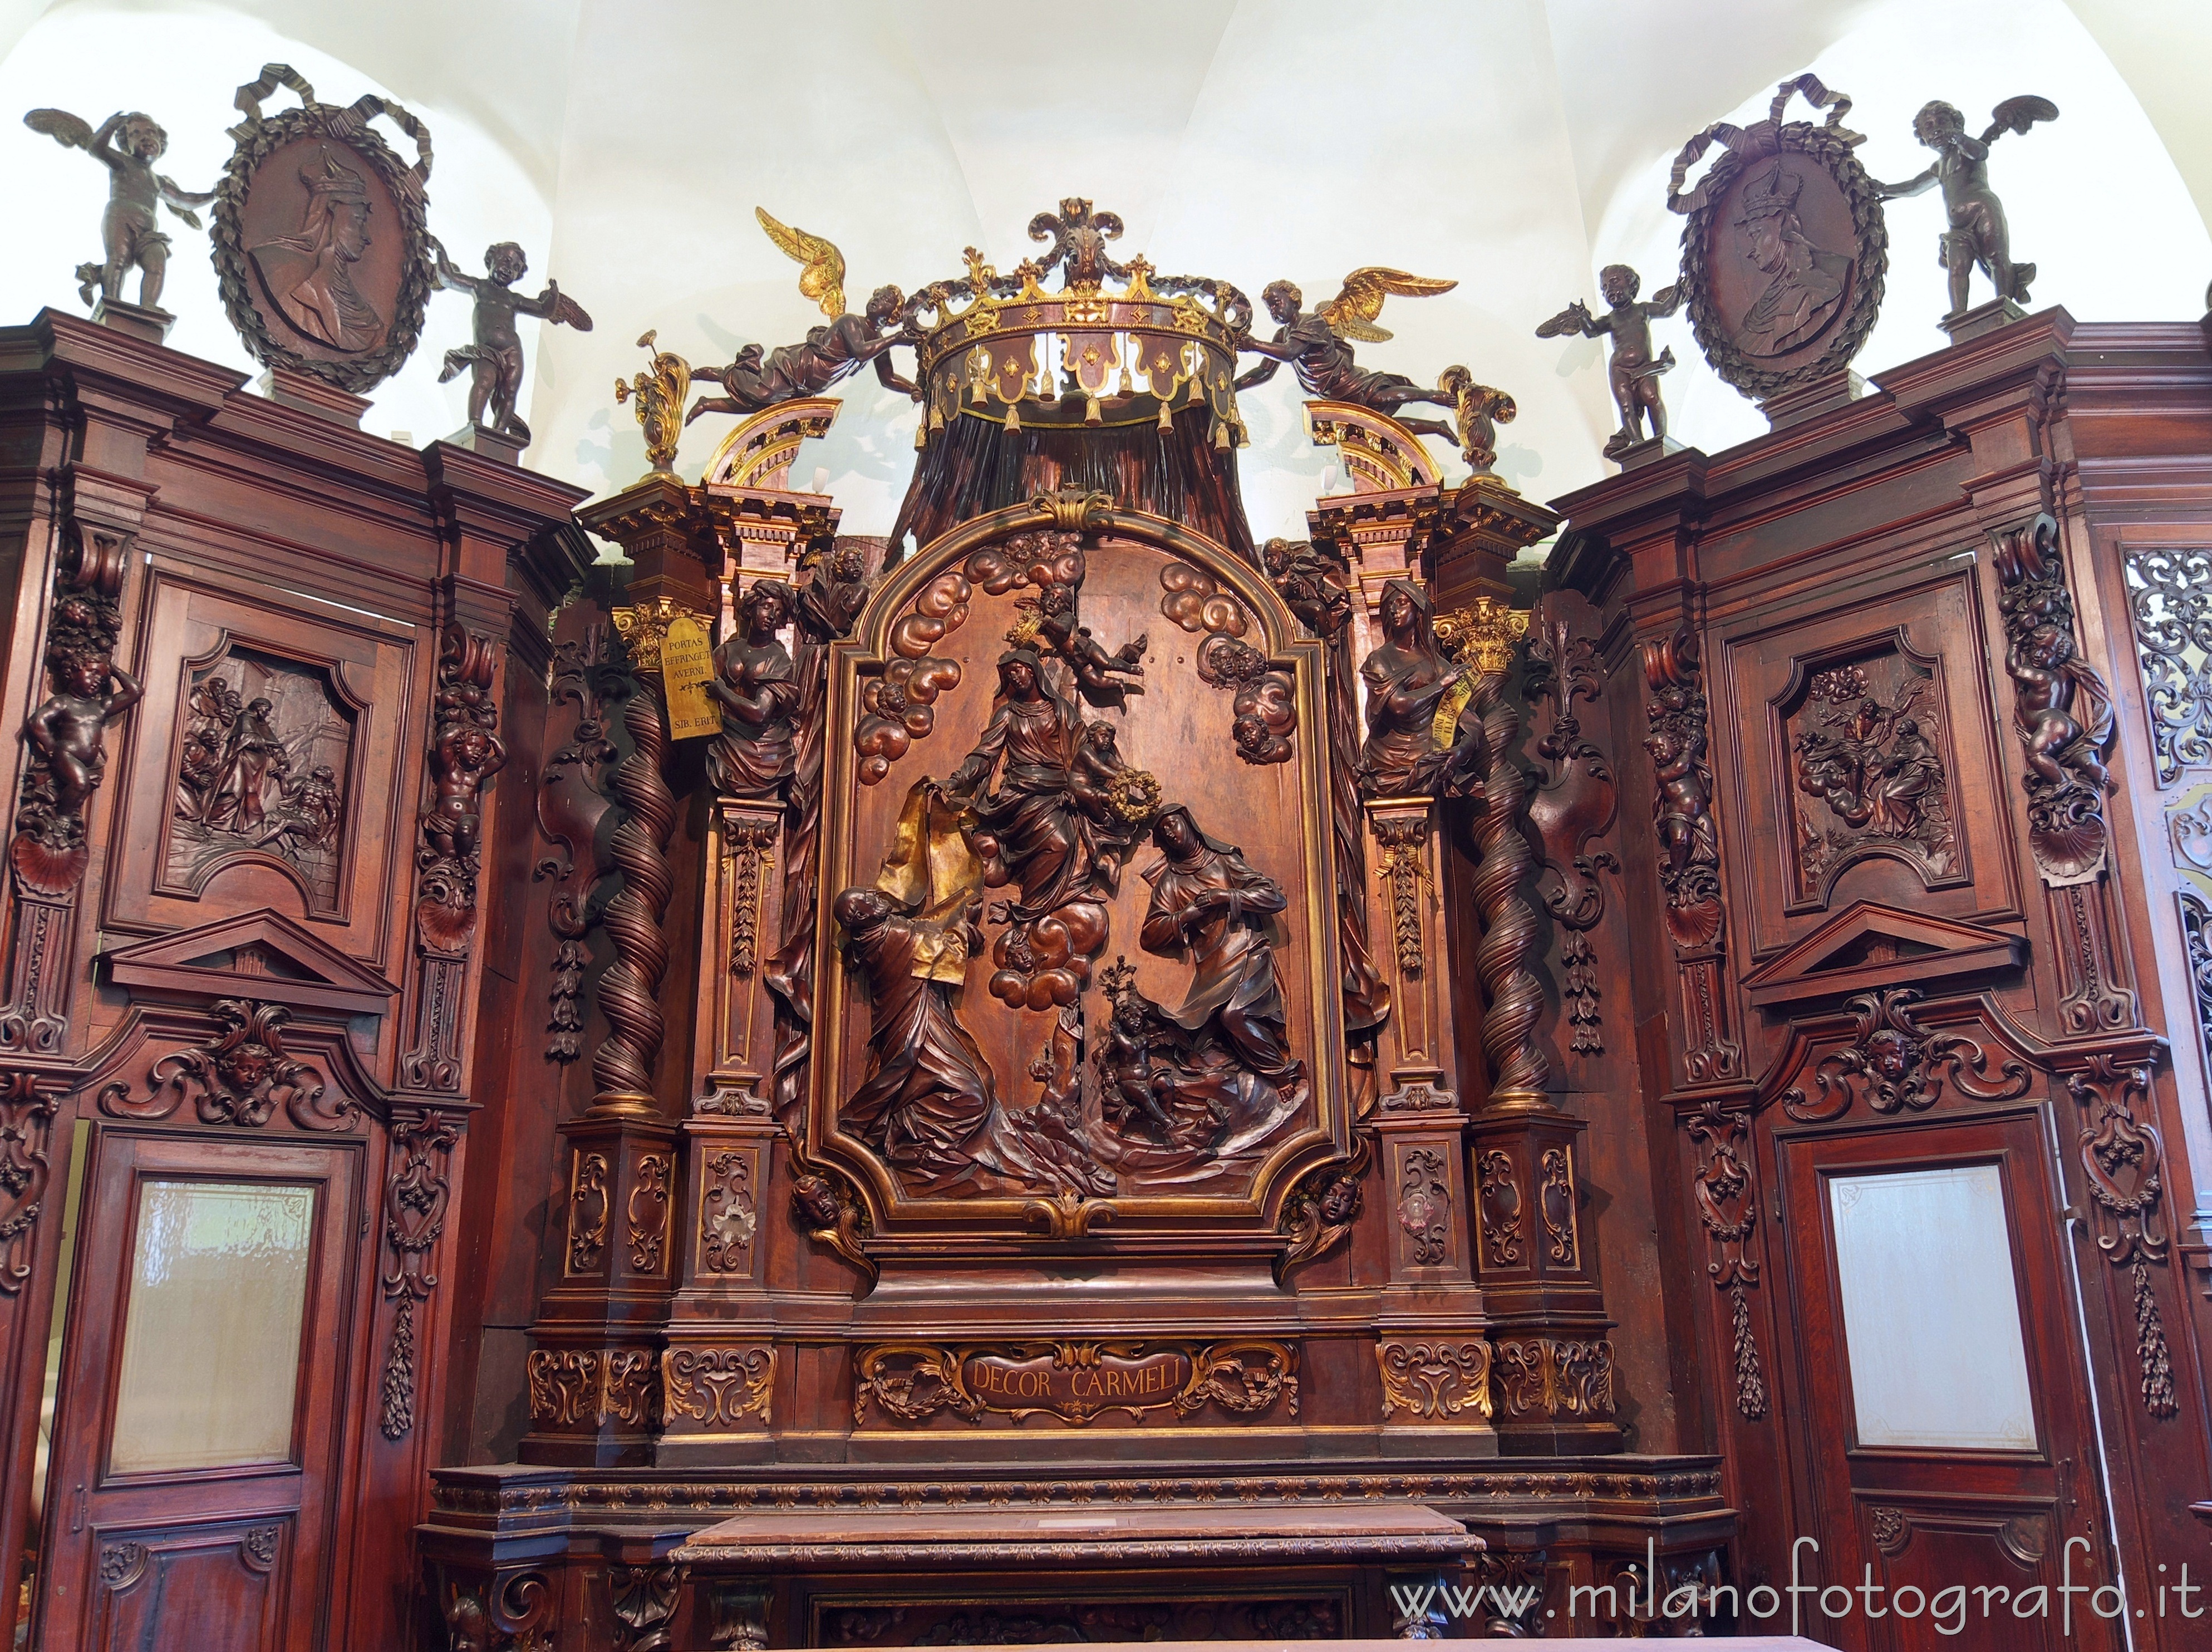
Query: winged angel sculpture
(1977, 234)
(129, 233)
(1317, 350)
(829, 354)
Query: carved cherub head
(1888, 1055)
(1619, 284)
(1937, 123)
(83, 672)
(884, 305)
(1340, 1200)
(505, 263)
(1283, 301)
(144, 137)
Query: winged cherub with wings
(1977, 233)
(129, 233)
(1315, 345)
(495, 357)
(829, 354)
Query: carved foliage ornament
(239, 1076)
(1555, 1377)
(415, 1201)
(2062, 710)
(318, 236)
(1894, 1065)
(2124, 1157)
(1435, 1380)
(1574, 803)
(28, 1101)
(589, 1388)
(718, 1388)
(1785, 250)
(2196, 935)
(727, 1219)
(1728, 1210)
(1425, 1207)
(2170, 594)
(573, 800)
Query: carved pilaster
(416, 1191)
(1573, 804)
(28, 1101)
(2123, 1158)
(1727, 1206)
(573, 800)
(737, 1012)
(1404, 893)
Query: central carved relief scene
(1060, 978)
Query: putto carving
(28, 1101)
(2124, 1157)
(2170, 596)
(493, 358)
(1318, 347)
(1323, 1208)
(1477, 411)
(1785, 251)
(262, 766)
(1728, 1210)
(65, 739)
(131, 232)
(727, 1219)
(1874, 765)
(1633, 371)
(1894, 1065)
(1978, 234)
(824, 1206)
(318, 236)
(415, 1199)
(829, 355)
(240, 1077)
(465, 752)
(1425, 1207)
(1435, 1380)
(2062, 710)
(719, 1387)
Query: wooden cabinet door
(202, 1392)
(1945, 1412)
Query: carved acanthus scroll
(28, 1101)
(1573, 804)
(1729, 1210)
(415, 1199)
(239, 1076)
(573, 801)
(2125, 1156)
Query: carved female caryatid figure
(1214, 908)
(1407, 676)
(757, 688)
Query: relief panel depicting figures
(1076, 874)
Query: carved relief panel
(1077, 856)
(1869, 769)
(270, 765)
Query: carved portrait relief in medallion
(264, 768)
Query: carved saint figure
(494, 357)
(1633, 371)
(1407, 677)
(1805, 284)
(829, 354)
(253, 762)
(757, 688)
(1316, 346)
(1213, 908)
(309, 275)
(90, 691)
(1978, 234)
(129, 234)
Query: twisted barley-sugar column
(1513, 997)
(629, 989)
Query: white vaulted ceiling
(1514, 145)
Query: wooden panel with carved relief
(274, 730)
(1869, 770)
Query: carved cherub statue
(1977, 233)
(90, 691)
(1315, 347)
(1478, 410)
(1633, 371)
(829, 354)
(496, 357)
(129, 234)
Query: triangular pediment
(1868, 945)
(262, 955)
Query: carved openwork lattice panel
(2170, 596)
(1032, 1014)
(262, 766)
(1870, 763)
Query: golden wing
(1351, 313)
(822, 280)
